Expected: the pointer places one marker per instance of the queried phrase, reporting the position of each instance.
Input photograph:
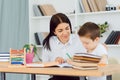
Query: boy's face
(88, 43)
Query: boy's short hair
(90, 30)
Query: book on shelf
(90, 5)
(37, 40)
(47, 9)
(82, 10)
(114, 40)
(113, 37)
(39, 37)
(93, 5)
(36, 10)
(118, 41)
(101, 4)
(86, 5)
(40, 10)
(107, 41)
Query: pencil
(69, 56)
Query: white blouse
(58, 49)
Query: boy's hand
(60, 60)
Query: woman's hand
(60, 60)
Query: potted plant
(103, 27)
(31, 50)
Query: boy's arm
(105, 46)
(104, 60)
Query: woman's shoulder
(53, 39)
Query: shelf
(39, 46)
(112, 45)
(48, 17)
(100, 12)
(79, 14)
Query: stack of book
(4, 56)
(85, 61)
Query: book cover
(108, 40)
(82, 10)
(94, 6)
(90, 5)
(37, 40)
(86, 6)
(4, 54)
(42, 36)
(112, 39)
(117, 37)
(87, 57)
(82, 64)
(47, 9)
(4, 59)
(36, 10)
(101, 4)
(40, 10)
(85, 68)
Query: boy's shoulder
(101, 49)
(100, 45)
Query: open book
(48, 64)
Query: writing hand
(60, 60)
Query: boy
(90, 36)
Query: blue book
(17, 62)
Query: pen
(69, 56)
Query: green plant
(30, 48)
(34, 49)
(103, 27)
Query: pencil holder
(29, 57)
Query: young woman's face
(63, 32)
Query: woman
(60, 41)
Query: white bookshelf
(41, 23)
